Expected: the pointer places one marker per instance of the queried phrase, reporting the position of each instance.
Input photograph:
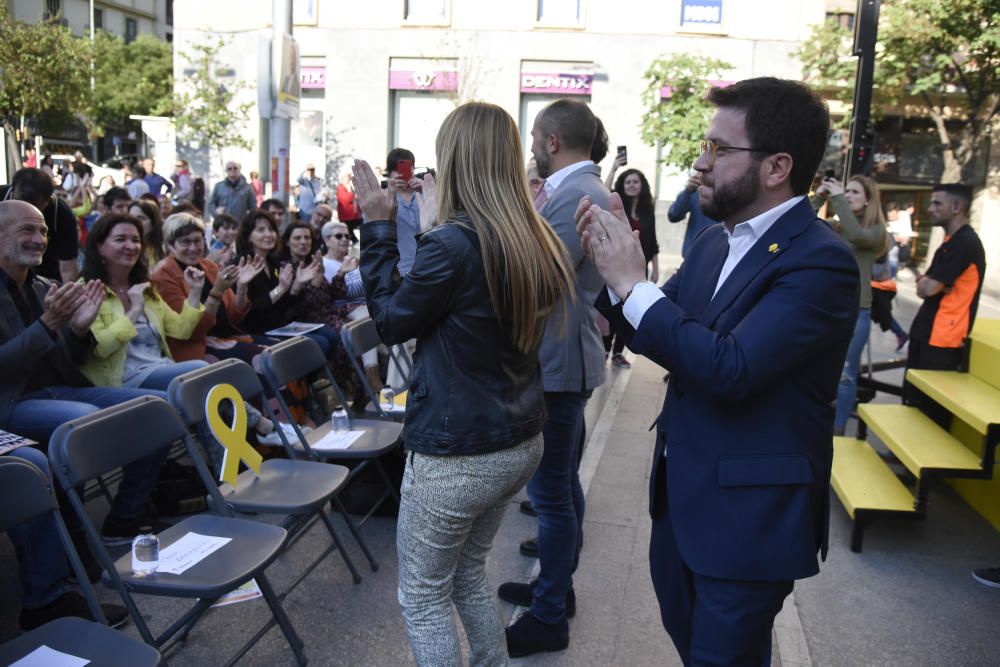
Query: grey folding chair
(85, 448)
(300, 357)
(360, 336)
(25, 494)
(295, 489)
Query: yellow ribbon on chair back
(232, 436)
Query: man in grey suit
(572, 358)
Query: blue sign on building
(701, 13)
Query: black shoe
(529, 548)
(117, 532)
(528, 635)
(70, 604)
(521, 594)
(987, 576)
(528, 508)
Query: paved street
(908, 599)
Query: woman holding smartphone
(861, 223)
(486, 273)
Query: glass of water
(145, 553)
(387, 399)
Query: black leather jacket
(473, 392)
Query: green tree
(679, 121)
(134, 78)
(944, 53)
(207, 112)
(44, 69)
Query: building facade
(127, 18)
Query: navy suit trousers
(711, 621)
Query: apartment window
(131, 30)
(170, 38)
(842, 19)
(52, 8)
(170, 12)
(560, 12)
(427, 11)
(98, 19)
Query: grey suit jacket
(21, 347)
(572, 354)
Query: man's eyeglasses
(711, 149)
(339, 237)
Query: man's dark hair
(781, 116)
(600, 148)
(962, 193)
(139, 172)
(276, 203)
(116, 194)
(224, 220)
(394, 156)
(31, 185)
(573, 122)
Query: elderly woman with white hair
(224, 294)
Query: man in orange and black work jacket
(950, 290)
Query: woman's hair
(286, 252)
(873, 211)
(187, 207)
(243, 245)
(644, 206)
(153, 240)
(180, 224)
(93, 263)
(481, 174)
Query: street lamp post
(862, 133)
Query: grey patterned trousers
(450, 510)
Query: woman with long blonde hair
(861, 223)
(487, 271)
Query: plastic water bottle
(341, 422)
(387, 399)
(145, 553)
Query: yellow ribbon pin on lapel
(232, 436)
(772, 248)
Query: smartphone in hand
(405, 169)
(623, 152)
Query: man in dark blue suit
(754, 329)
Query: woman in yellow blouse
(133, 323)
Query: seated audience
(41, 389)
(222, 250)
(148, 213)
(133, 323)
(218, 331)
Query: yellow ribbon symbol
(773, 248)
(232, 436)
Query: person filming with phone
(860, 222)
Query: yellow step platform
(919, 443)
(967, 397)
(864, 482)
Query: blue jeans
(39, 413)
(557, 497)
(41, 560)
(847, 392)
(161, 377)
(327, 338)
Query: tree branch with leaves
(678, 122)
(207, 112)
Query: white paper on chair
(43, 656)
(335, 440)
(188, 551)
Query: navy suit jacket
(747, 422)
